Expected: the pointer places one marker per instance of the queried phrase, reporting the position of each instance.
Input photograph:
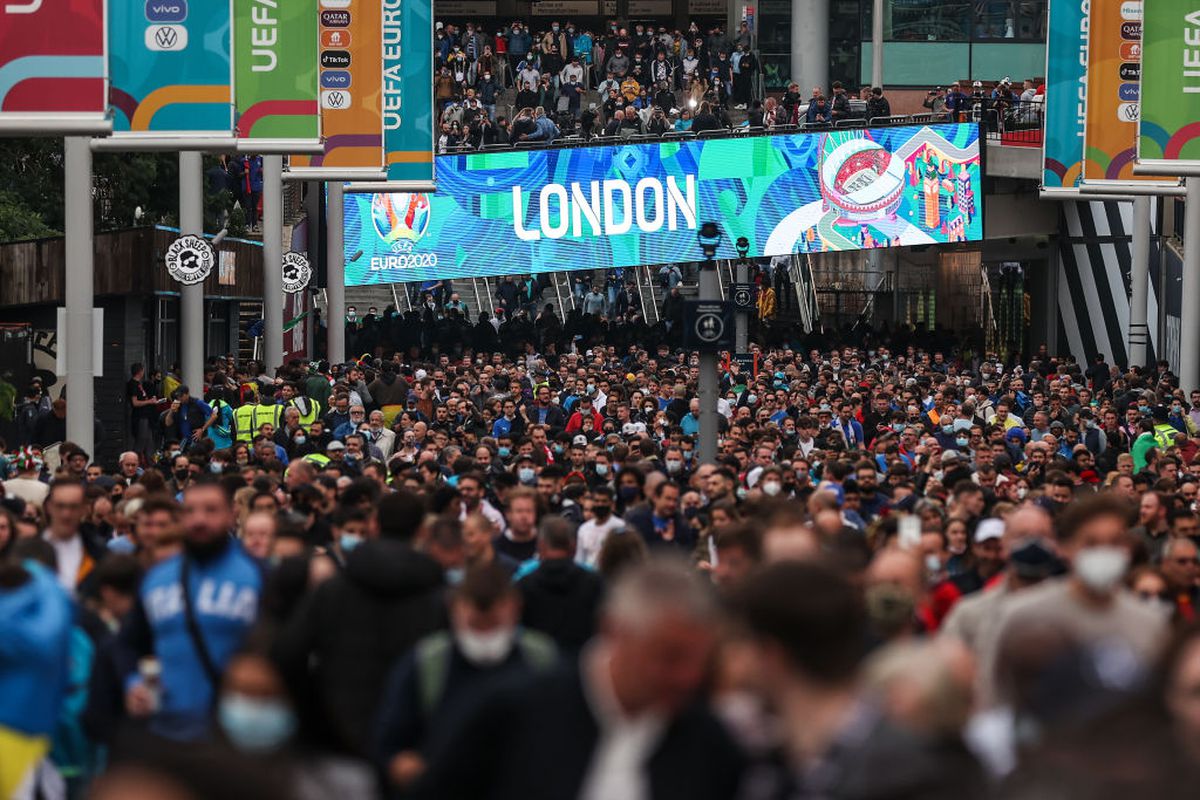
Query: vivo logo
(335, 79)
(166, 10)
(166, 38)
(1129, 92)
(335, 59)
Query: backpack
(433, 663)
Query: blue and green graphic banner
(625, 205)
(169, 65)
(1066, 93)
(408, 90)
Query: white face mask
(772, 488)
(674, 466)
(485, 649)
(1101, 568)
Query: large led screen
(506, 212)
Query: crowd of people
(568, 80)
(451, 571)
(522, 314)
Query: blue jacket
(519, 43)
(545, 131)
(35, 634)
(225, 592)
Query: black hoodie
(562, 600)
(353, 627)
(387, 390)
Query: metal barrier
(1016, 124)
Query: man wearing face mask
(193, 613)
(561, 599)
(1090, 604)
(483, 645)
(1028, 536)
(620, 723)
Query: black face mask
(601, 511)
(181, 474)
(203, 551)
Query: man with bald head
(130, 467)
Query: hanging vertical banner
(1113, 87)
(52, 66)
(351, 87)
(1066, 87)
(169, 63)
(1169, 125)
(408, 91)
(275, 73)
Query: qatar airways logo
(608, 208)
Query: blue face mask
(504, 452)
(255, 724)
(558, 449)
(962, 441)
(454, 575)
(349, 541)
(526, 475)
(602, 469)
(947, 429)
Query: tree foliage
(31, 190)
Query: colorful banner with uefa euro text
(351, 80)
(1113, 89)
(1066, 68)
(522, 211)
(169, 63)
(275, 72)
(408, 90)
(52, 65)
(1169, 126)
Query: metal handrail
(478, 302)
(569, 142)
(641, 295)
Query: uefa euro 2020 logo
(401, 219)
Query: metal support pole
(707, 445)
(1139, 332)
(1189, 323)
(335, 274)
(191, 302)
(272, 227)
(81, 394)
(742, 340)
(877, 43)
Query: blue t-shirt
(225, 593)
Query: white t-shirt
(591, 538)
(69, 553)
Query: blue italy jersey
(225, 594)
